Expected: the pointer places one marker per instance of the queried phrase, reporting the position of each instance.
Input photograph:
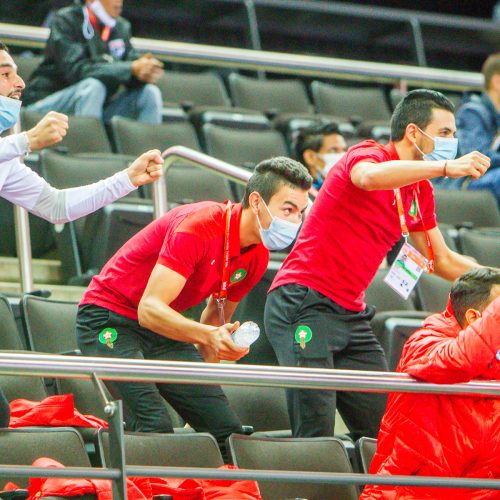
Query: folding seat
(23, 387)
(85, 134)
(467, 208)
(24, 445)
(396, 332)
(325, 454)
(26, 65)
(432, 292)
(196, 449)
(365, 450)
(364, 106)
(484, 246)
(10, 337)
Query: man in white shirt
(20, 185)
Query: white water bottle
(246, 334)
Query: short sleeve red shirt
(190, 241)
(349, 230)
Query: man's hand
(49, 130)
(146, 169)
(220, 345)
(147, 69)
(474, 164)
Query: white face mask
(101, 13)
(330, 159)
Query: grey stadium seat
(10, 338)
(484, 246)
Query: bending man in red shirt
(132, 308)
(318, 294)
(447, 435)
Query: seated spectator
(478, 128)
(447, 435)
(91, 69)
(319, 148)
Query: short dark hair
(473, 290)
(491, 67)
(416, 107)
(312, 138)
(270, 175)
(3, 46)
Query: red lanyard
(221, 296)
(404, 227)
(106, 30)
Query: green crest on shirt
(238, 275)
(303, 334)
(108, 336)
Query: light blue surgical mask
(9, 112)
(280, 232)
(445, 148)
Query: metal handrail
(192, 157)
(214, 374)
(276, 62)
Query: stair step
(58, 292)
(44, 270)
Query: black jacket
(70, 57)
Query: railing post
(23, 242)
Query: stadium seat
(473, 208)
(26, 65)
(365, 106)
(263, 408)
(326, 454)
(484, 246)
(50, 324)
(397, 330)
(196, 449)
(24, 446)
(85, 134)
(244, 148)
(432, 292)
(384, 298)
(23, 387)
(10, 339)
(365, 450)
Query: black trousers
(204, 407)
(340, 339)
(4, 410)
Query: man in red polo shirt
(132, 308)
(315, 312)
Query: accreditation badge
(406, 270)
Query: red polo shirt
(190, 241)
(349, 230)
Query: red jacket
(443, 435)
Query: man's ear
(254, 201)
(471, 315)
(411, 132)
(309, 157)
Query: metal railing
(275, 62)
(197, 159)
(99, 369)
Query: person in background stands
(91, 69)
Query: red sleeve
(181, 252)
(427, 209)
(256, 270)
(367, 151)
(435, 357)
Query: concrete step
(44, 270)
(58, 292)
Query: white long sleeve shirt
(24, 187)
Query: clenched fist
(474, 164)
(146, 169)
(49, 130)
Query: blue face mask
(279, 234)
(445, 148)
(9, 112)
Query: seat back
(244, 148)
(366, 102)
(24, 446)
(483, 246)
(365, 450)
(133, 138)
(325, 454)
(50, 324)
(283, 96)
(478, 208)
(85, 134)
(175, 450)
(264, 408)
(197, 89)
(384, 298)
(27, 65)
(10, 339)
(433, 292)
(23, 387)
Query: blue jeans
(88, 98)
